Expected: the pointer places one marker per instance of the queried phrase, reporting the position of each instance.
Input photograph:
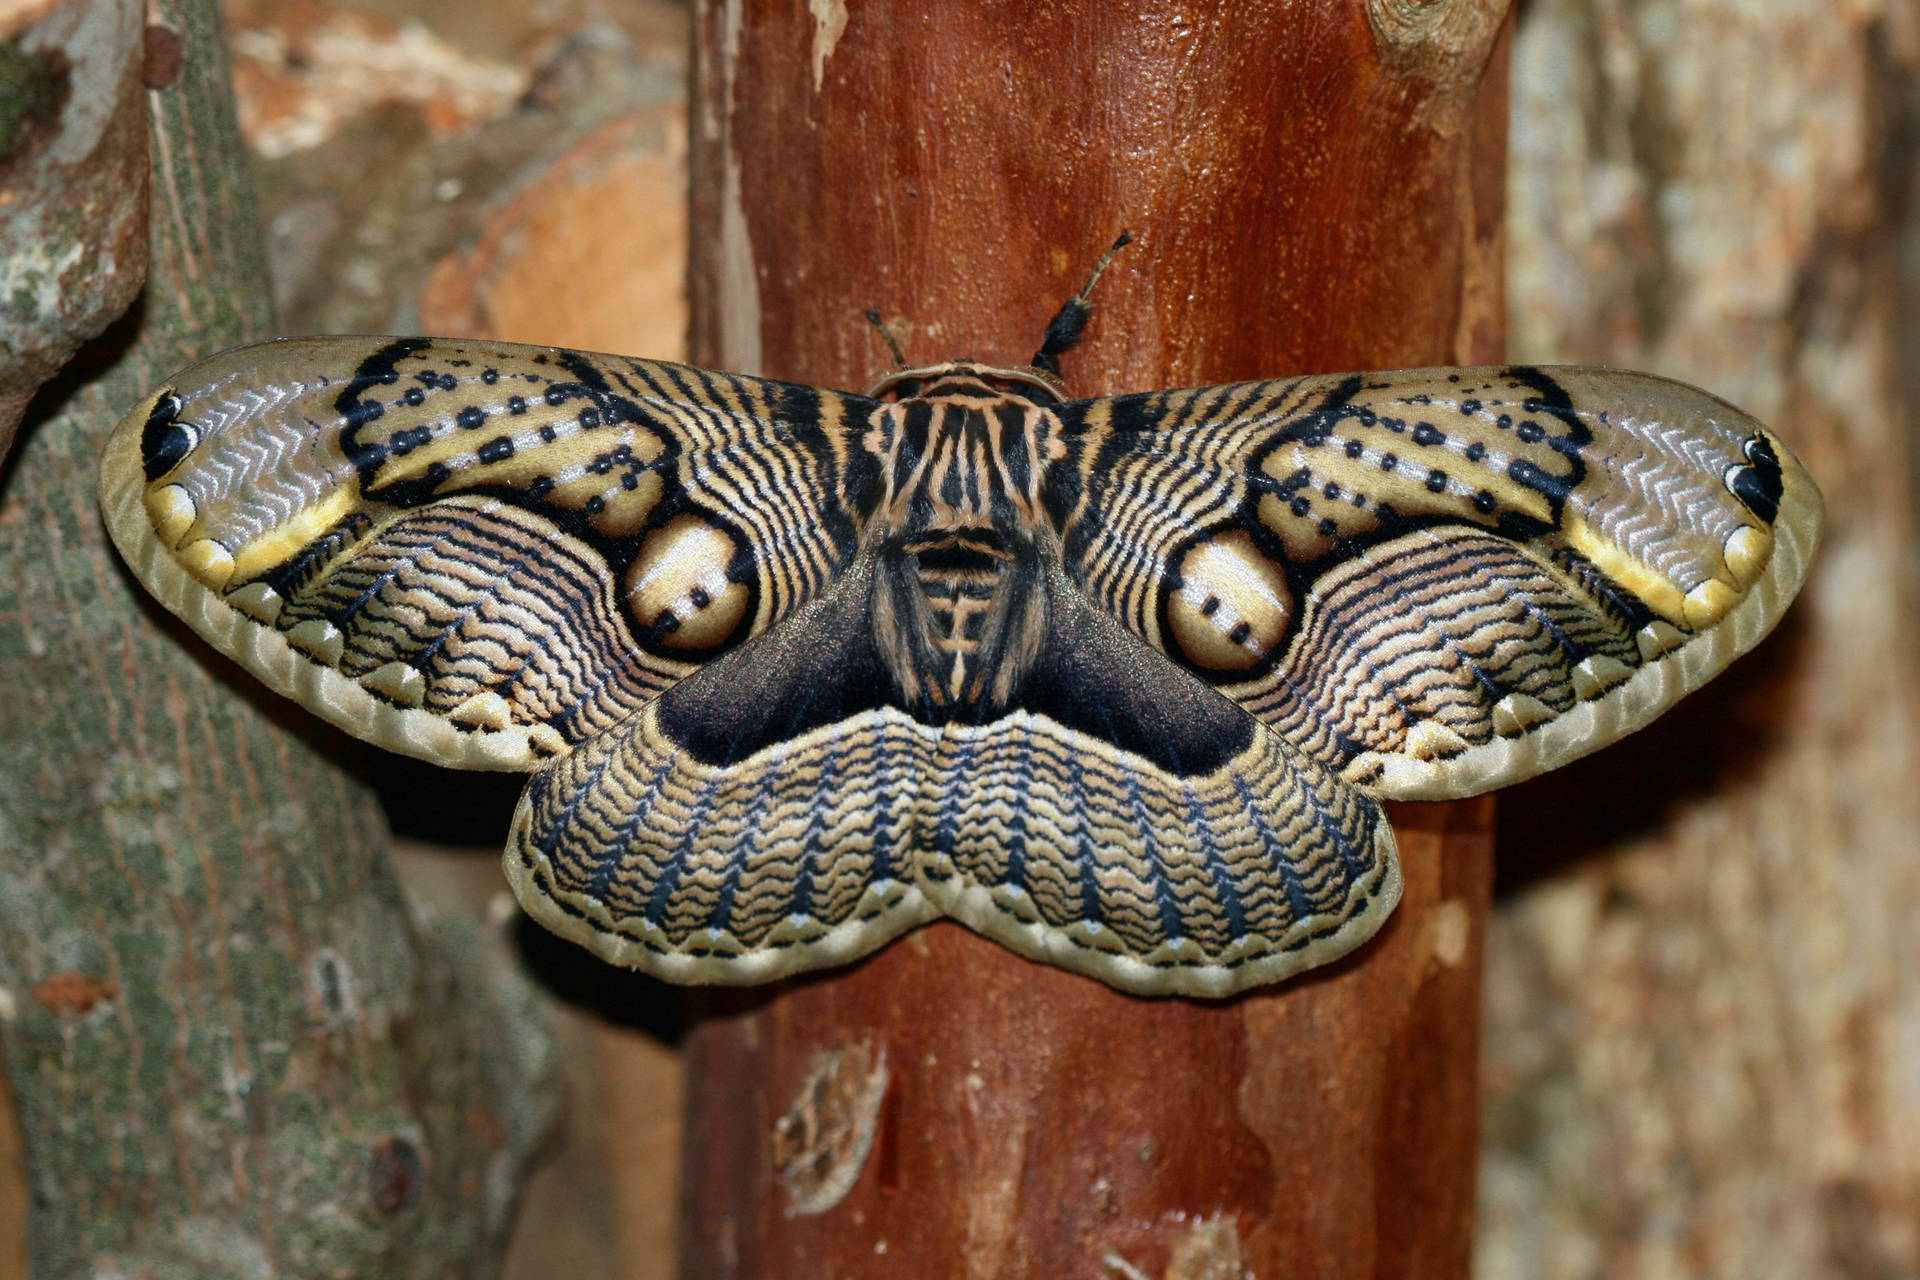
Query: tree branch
(234, 1052)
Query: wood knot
(1209, 1249)
(821, 1144)
(1443, 42)
(396, 1175)
(163, 55)
(35, 86)
(1450, 932)
(73, 993)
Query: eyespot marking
(680, 589)
(1227, 606)
(165, 440)
(1759, 484)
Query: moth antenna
(886, 336)
(1064, 330)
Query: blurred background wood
(1313, 187)
(1704, 985)
(234, 1050)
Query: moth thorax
(959, 611)
(963, 461)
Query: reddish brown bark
(1313, 187)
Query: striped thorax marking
(962, 536)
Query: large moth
(1119, 682)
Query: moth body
(961, 537)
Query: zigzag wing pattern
(1438, 581)
(779, 810)
(479, 553)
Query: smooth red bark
(1308, 193)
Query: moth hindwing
(1119, 682)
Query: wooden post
(1313, 187)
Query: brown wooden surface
(1037, 1123)
(1313, 187)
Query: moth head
(963, 377)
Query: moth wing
(1439, 581)
(781, 811)
(477, 553)
(755, 820)
(1124, 821)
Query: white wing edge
(1638, 700)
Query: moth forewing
(1440, 581)
(547, 538)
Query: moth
(1119, 682)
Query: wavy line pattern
(687, 601)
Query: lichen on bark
(234, 1049)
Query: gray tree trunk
(234, 1051)
(1704, 984)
